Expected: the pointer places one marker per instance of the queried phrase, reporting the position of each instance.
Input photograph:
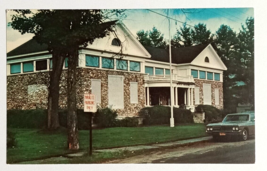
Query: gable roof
(179, 55)
(30, 46)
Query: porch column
(185, 102)
(176, 96)
(147, 97)
(192, 90)
(188, 96)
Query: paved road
(207, 152)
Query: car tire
(244, 135)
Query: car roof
(242, 113)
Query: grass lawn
(35, 144)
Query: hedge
(212, 114)
(158, 115)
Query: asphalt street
(206, 152)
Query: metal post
(171, 89)
(91, 137)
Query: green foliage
(212, 114)
(27, 118)
(152, 38)
(200, 34)
(105, 117)
(183, 37)
(158, 115)
(11, 141)
(127, 122)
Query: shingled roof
(179, 55)
(30, 46)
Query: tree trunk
(73, 143)
(53, 96)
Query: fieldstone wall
(214, 84)
(27, 91)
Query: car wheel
(244, 135)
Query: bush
(10, 141)
(212, 114)
(127, 122)
(27, 118)
(105, 117)
(158, 115)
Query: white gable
(215, 61)
(130, 45)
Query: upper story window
(28, 66)
(108, 63)
(92, 61)
(41, 65)
(207, 59)
(116, 42)
(194, 73)
(149, 70)
(216, 76)
(134, 66)
(210, 76)
(167, 72)
(121, 64)
(15, 68)
(66, 62)
(202, 74)
(159, 71)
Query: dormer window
(116, 42)
(207, 59)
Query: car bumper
(225, 133)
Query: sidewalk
(148, 147)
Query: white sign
(89, 103)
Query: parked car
(241, 125)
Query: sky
(146, 19)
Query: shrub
(27, 118)
(105, 117)
(212, 114)
(127, 122)
(10, 141)
(158, 115)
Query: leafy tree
(201, 35)
(183, 37)
(64, 31)
(152, 38)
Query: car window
(238, 118)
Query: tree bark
(73, 143)
(53, 96)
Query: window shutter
(96, 89)
(196, 95)
(133, 92)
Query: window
(194, 73)
(159, 71)
(41, 65)
(28, 67)
(133, 92)
(96, 89)
(108, 63)
(134, 66)
(116, 42)
(167, 72)
(196, 95)
(15, 68)
(216, 77)
(207, 59)
(51, 64)
(202, 74)
(66, 62)
(207, 94)
(116, 91)
(216, 92)
(121, 64)
(210, 75)
(92, 61)
(149, 70)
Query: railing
(175, 77)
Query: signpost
(90, 106)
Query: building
(123, 74)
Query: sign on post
(89, 103)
